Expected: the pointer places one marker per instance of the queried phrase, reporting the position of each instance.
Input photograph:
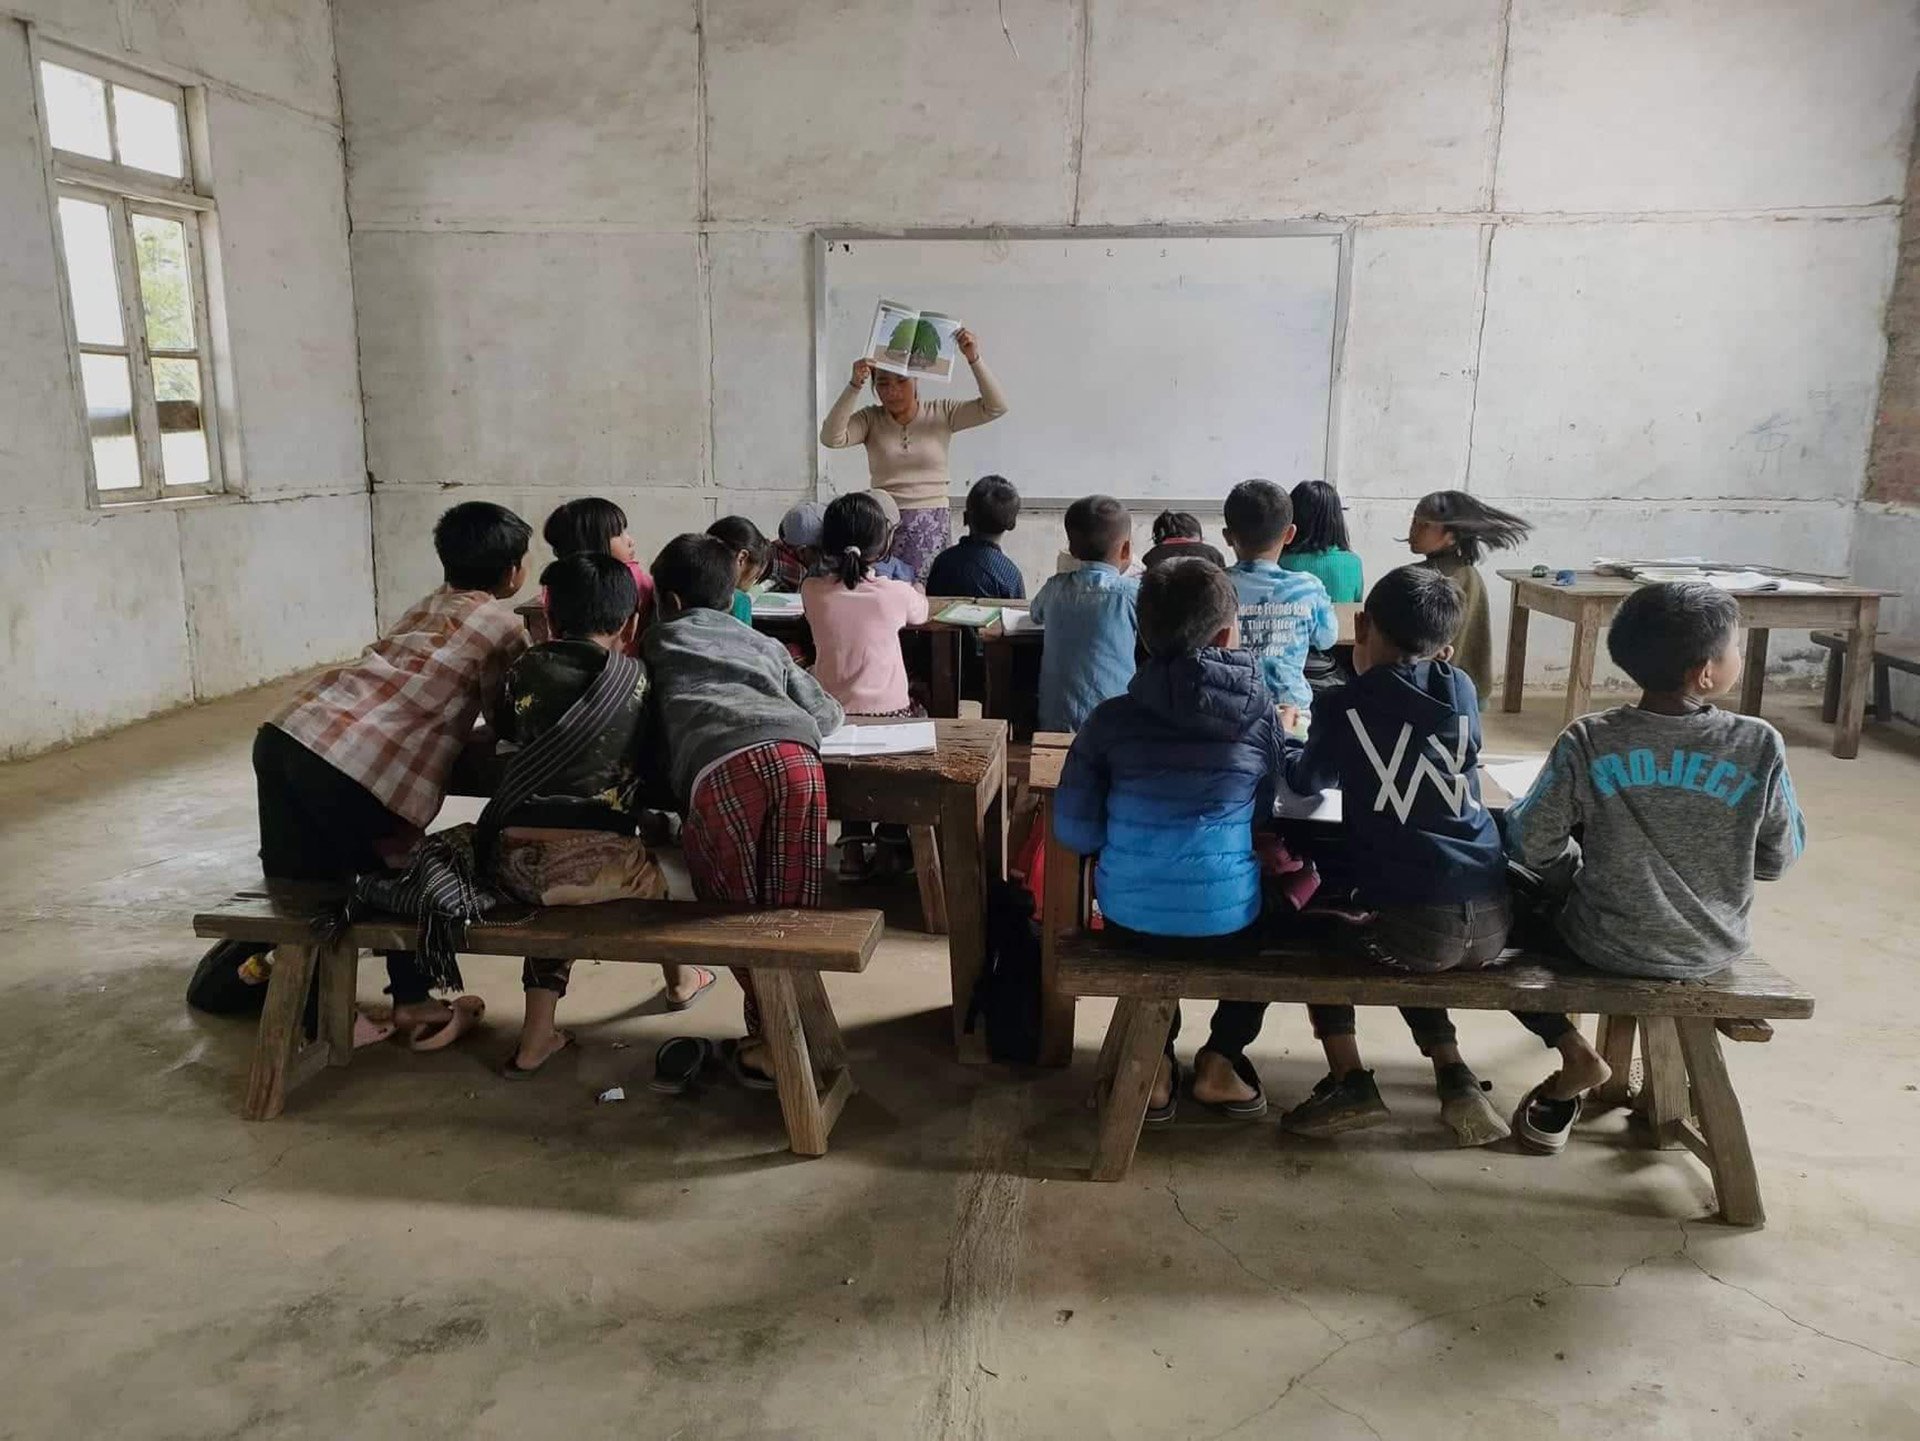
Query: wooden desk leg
(927, 873)
(281, 1040)
(1753, 678)
(1124, 1107)
(943, 692)
(964, 864)
(1586, 643)
(1830, 691)
(1735, 1181)
(997, 693)
(1859, 666)
(1059, 913)
(1516, 678)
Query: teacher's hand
(969, 346)
(862, 373)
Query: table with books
(1772, 601)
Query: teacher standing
(906, 440)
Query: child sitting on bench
(1401, 742)
(353, 769)
(741, 724)
(1678, 806)
(1163, 786)
(573, 841)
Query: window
(129, 221)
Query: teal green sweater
(1339, 572)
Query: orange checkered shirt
(395, 719)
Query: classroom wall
(1621, 268)
(108, 615)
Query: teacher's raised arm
(907, 441)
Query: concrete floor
(419, 1249)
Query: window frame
(127, 192)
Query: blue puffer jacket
(1163, 784)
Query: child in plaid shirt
(353, 769)
(741, 723)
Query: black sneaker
(1465, 1109)
(1541, 1124)
(1351, 1103)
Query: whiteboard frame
(824, 239)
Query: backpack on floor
(1006, 998)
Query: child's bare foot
(537, 1049)
(1581, 1069)
(1228, 1085)
(1160, 1099)
(684, 985)
(753, 1064)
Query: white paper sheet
(1019, 622)
(1516, 775)
(1292, 806)
(883, 740)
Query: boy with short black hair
(1680, 807)
(1089, 616)
(1401, 742)
(1163, 786)
(741, 724)
(355, 766)
(977, 566)
(1283, 613)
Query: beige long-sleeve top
(910, 462)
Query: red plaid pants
(756, 835)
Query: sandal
(1251, 1109)
(752, 1080)
(438, 1035)
(1163, 1115)
(678, 1064)
(514, 1071)
(699, 991)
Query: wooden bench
(1889, 655)
(786, 950)
(1686, 1094)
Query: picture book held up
(916, 343)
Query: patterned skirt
(922, 535)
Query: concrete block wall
(1622, 269)
(108, 615)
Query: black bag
(1007, 995)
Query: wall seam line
(1079, 93)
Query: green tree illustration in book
(913, 342)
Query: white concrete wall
(1621, 268)
(110, 615)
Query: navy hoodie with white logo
(1401, 743)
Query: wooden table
(1589, 603)
(947, 642)
(960, 789)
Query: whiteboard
(1153, 368)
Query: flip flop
(1163, 1115)
(438, 1035)
(1249, 1110)
(752, 1080)
(704, 987)
(369, 1030)
(678, 1064)
(514, 1071)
